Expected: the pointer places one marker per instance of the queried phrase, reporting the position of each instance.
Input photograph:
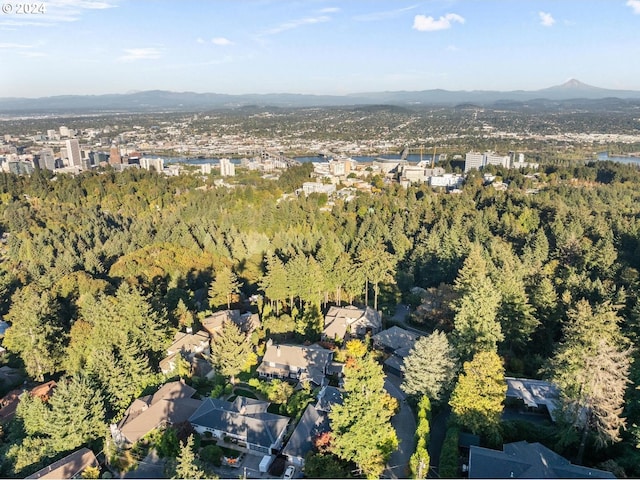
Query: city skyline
(316, 47)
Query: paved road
(400, 318)
(405, 424)
(437, 433)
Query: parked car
(289, 472)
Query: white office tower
(47, 159)
(73, 152)
(65, 132)
(473, 160)
(227, 169)
(492, 158)
(156, 164)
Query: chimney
(278, 351)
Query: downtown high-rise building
(73, 153)
(227, 169)
(47, 159)
(114, 155)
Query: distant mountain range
(159, 100)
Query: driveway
(405, 424)
(151, 466)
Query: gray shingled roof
(395, 338)
(526, 460)
(245, 418)
(309, 361)
(534, 393)
(340, 319)
(68, 467)
(172, 403)
(311, 424)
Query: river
(604, 156)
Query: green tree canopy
(361, 426)
(430, 367)
(230, 350)
(477, 398)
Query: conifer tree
(591, 368)
(230, 350)
(475, 324)
(224, 286)
(361, 426)
(430, 367)
(36, 333)
(187, 467)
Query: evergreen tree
(430, 367)
(187, 467)
(475, 324)
(77, 414)
(224, 286)
(361, 426)
(230, 350)
(274, 283)
(419, 461)
(36, 333)
(591, 368)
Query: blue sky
(317, 46)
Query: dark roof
(214, 322)
(68, 467)
(526, 460)
(340, 319)
(245, 417)
(395, 338)
(172, 403)
(311, 424)
(328, 397)
(534, 393)
(310, 362)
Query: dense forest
(99, 270)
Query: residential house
(9, 402)
(171, 404)
(526, 460)
(314, 421)
(244, 421)
(70, 466)
(351, 321)
(537, 395)
(296, 362)
(246, 322)
(187, 345)
(397, 343)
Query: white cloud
(283, 27)
(635, 6)
(200, 40)
(330, 10)
(384, 15)
(221, 41)
(134, 54)
(423, 23)
(452, 48)
(546, 20)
